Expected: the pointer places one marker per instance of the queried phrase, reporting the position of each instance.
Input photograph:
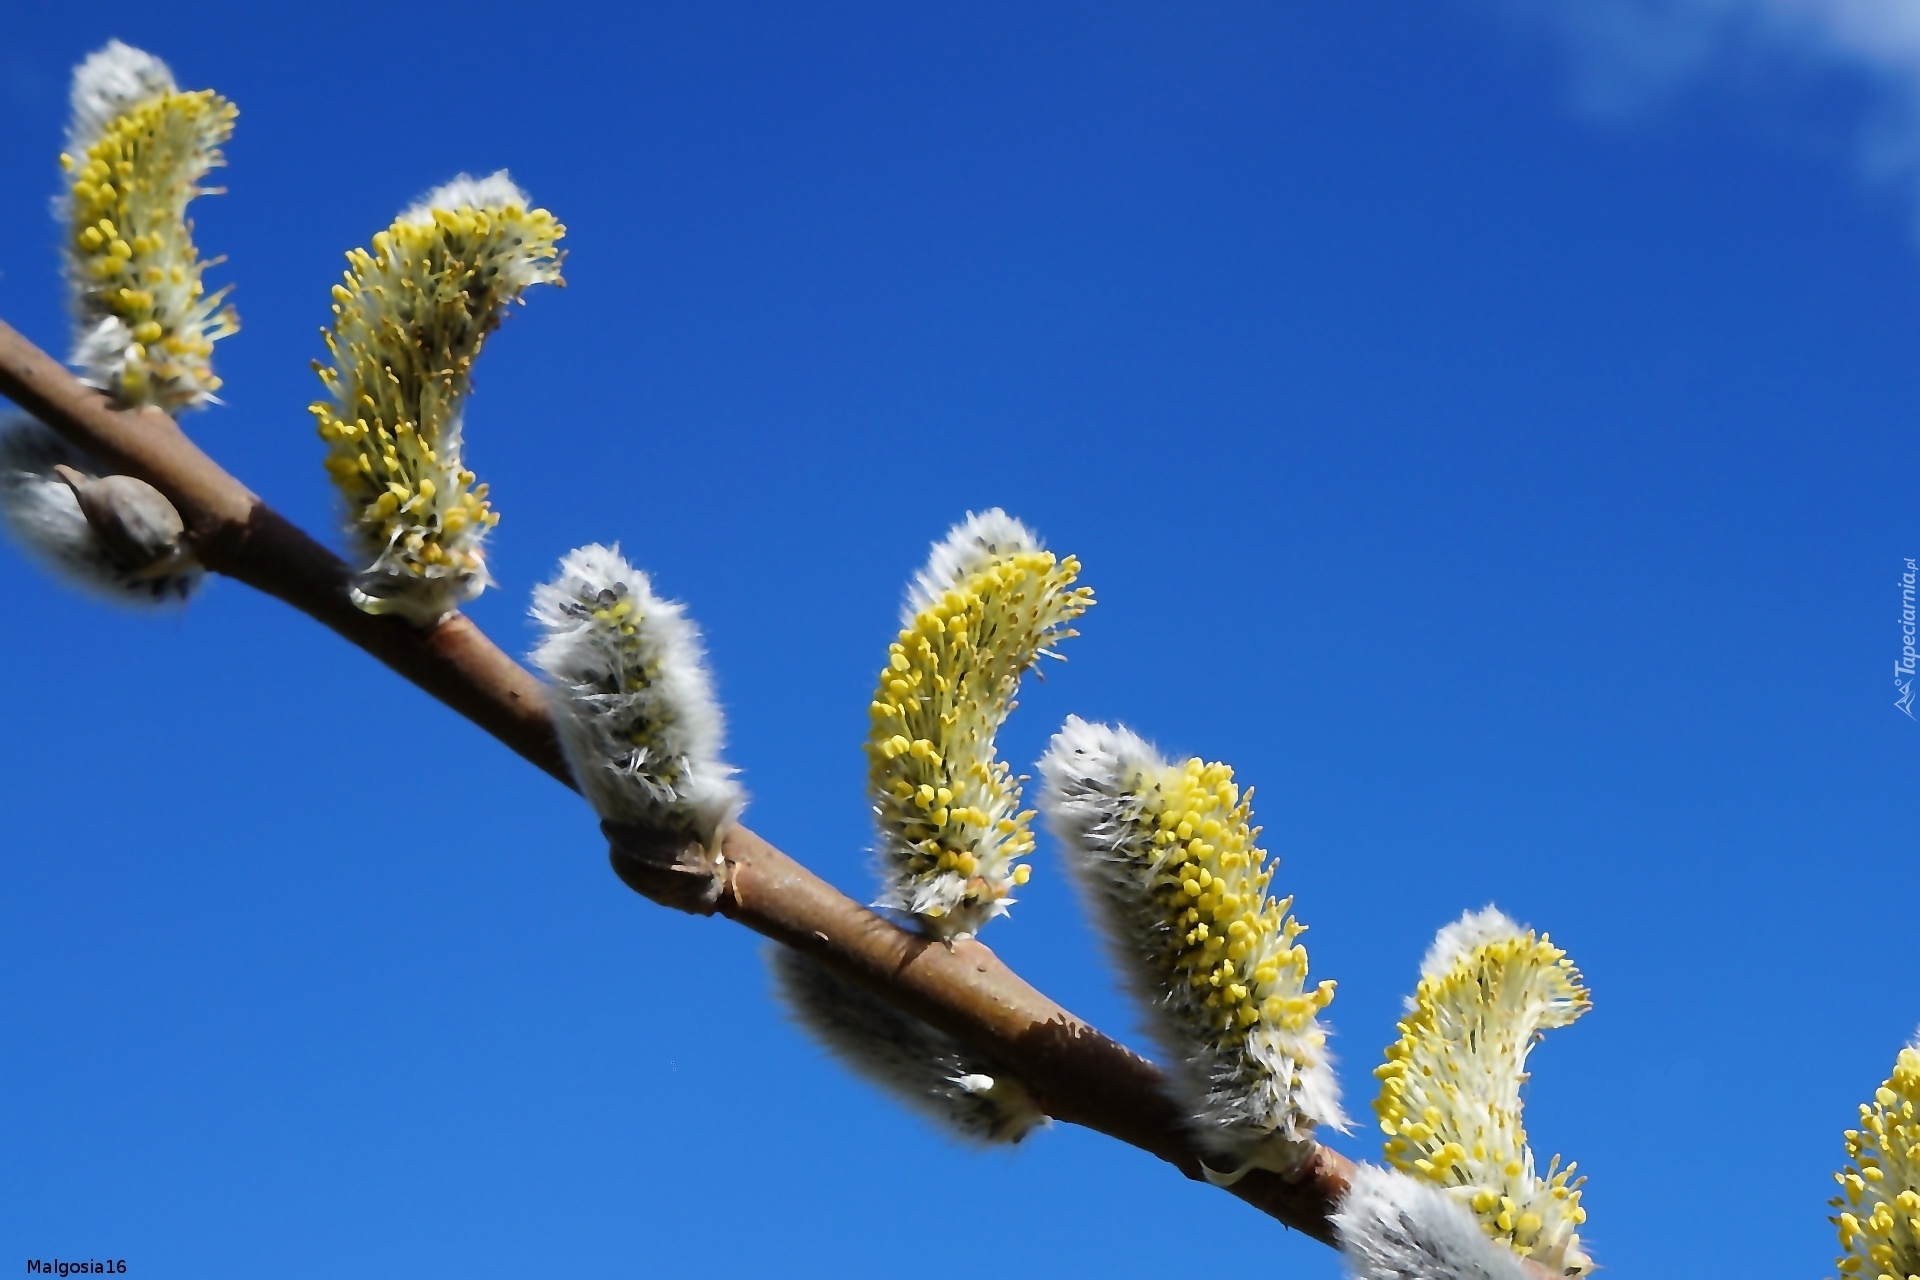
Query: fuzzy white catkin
(44, 518)
(923, 1067)
(631, 697)
(1393, 1227)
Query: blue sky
(1510, 479)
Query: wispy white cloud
(1627, 54)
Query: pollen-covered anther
(1167, 852)
(989, 603)
(136, 151)
(409, 319)
(1449, 1101)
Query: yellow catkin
(410, 316)
(1878, 1208)
(147, 323)
(1449, 1098)
(948, 809)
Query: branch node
(669, 867)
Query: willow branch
(236, 534)
(1078, 1075)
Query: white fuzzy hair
(1394, 1227)
(43, 516)
(495, 191)
(970, 546)
(1096, 778)
(113, 78)
(963, 1092)
(635, 709)
(1474, 929)
(101, 348)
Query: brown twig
(1078, 1075)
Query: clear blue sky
(1514, 493)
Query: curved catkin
(1166, 853)
(990, 602)
(136, 151)
(1449, 1098)
(631, 698)
(409, 319)
(1877, 1212)
(964, 1092)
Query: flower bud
(136, 524)
(113, 536)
